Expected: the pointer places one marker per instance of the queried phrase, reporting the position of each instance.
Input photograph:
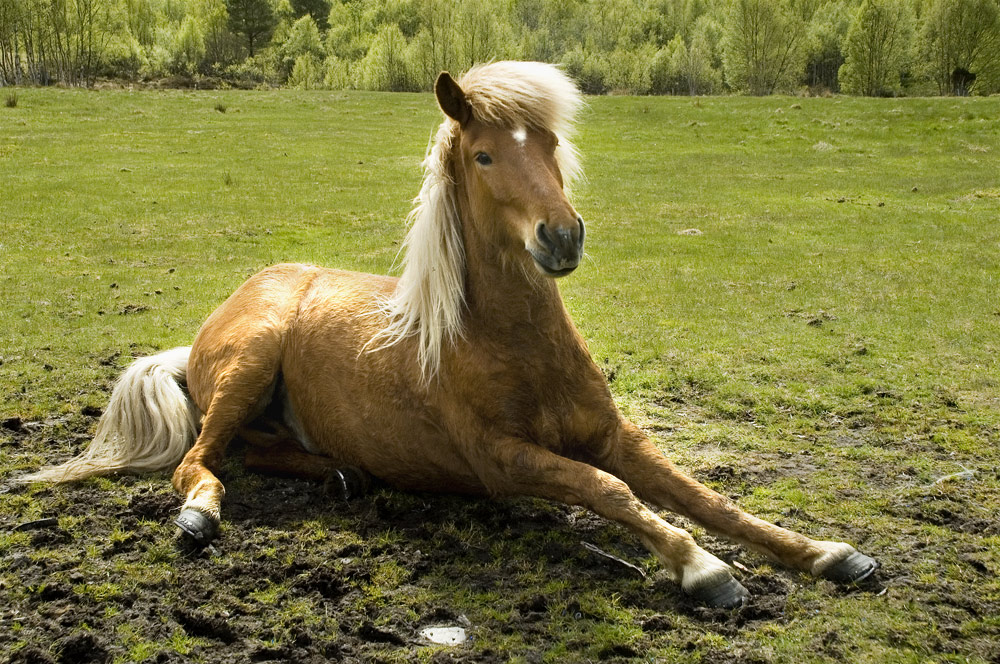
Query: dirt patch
(95, 573)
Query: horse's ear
(452, 100)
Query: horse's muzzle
(557, 251)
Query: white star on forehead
(520, 135)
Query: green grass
(824, 347)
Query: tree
(482, 33)
(303, 39)
(346, 38)
(824, 46)
(189, 46)
(665, 70)
(252, 19)
(306, 73)
(702, 78)
(762, 46)
(385, 66)
(961, 42)
(318, 9)
(877, 48)
(222, 47)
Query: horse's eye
(483, 159)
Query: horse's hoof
(350, 483)
(196, 526)
(727, 594)
(855, 568)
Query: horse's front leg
(515, 467)
(638, 462)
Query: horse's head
(513, 184)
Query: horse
(465, 374)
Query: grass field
(797, 298)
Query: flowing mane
(430, 296)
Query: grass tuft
(11, 100)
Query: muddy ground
(96, 573)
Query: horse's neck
(504, 300)
(508, 303)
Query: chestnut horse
(466, 374)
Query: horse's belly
(397, 447)
(362, 407)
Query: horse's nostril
(545, 237)
(583, 230)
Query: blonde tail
(149, 424)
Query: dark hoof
(196, 526)
(855, 568)
(348, 483)
(727, 594)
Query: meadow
(797, 298)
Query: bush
(763, 46)
(307, 74)
(337, 74)
(303, 40)
(247, 74)
(385, 67)
(628, 71)
(588, 69)
(665, 68)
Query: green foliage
(589, 70)
(824, 44)
(307, 73)
(679, 68)
(302, 49)
(962, 35)
(336, 73)
(189, 45)
(877, 48)
(222, 47)
(762, 46)
(319, 10)
(254, 20)
(385, 67)
(665, 75)
(690, 47)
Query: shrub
(385, 66)
(588, 69)
(337, 74)
(307, 74)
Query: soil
(98, 574)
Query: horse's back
(257, 323)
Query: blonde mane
(430, 296)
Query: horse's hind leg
(239, 381)
(276, 451)
(654, 478)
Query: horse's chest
(554, 419)
(551, 396)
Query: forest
(680, 47)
